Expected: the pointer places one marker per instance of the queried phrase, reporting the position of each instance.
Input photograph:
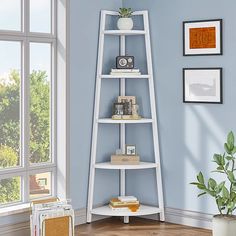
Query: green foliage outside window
(10, 127)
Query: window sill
(12, 210)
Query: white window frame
(26, 37)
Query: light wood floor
(137, 227)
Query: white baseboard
(190, 218)
(185, 217)
(177, 216)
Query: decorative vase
(125, 23)
(223, 225)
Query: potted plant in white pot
(224, 193)
(125, 21)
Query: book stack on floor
(52, 219)
(124, 72)
(130, 203)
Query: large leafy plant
(224, 192)
(125, 12)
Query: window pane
(10, 15)
(10, 64)
(40, 185)
(40, 67)
(10, 190)
(40, 16)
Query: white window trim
(63, 101)
(62, 110)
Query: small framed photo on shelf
(130, 150)
(118, 109)
(202, 37)
(202, 85)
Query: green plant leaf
(219, 187)
(230, 141)
(233, 195)
(218, 171)
(210, 192)
(219, 202)
(234, 187)
(227, 149)
(200, 178)
(222, 160)
(225, 193)
(216, 158)
(201, 194)
(229, 158)
(212, 184)
(201, 186)
(220, 168)
(230, 205)
(234, 151)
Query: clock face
(123, 62)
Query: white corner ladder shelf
(144, 209)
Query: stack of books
(130, 203)
(125, 72)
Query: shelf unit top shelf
(125, 76)
(111, 121)
(141, 165)
(143, 210)
(124, 32)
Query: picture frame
(202, 37)
(118, 108)
(202, 85)
(128, 98)
(130, 150)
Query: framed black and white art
(202, 85)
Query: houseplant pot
(125, 22)
(224, 225)
(224, 192)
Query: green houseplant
(224, 193)
(125, 21)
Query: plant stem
(231, 184)
(218, 208)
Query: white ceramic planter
(125, 24)
(224, 225)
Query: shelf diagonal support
(95, 118)
(154, 116)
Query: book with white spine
(125, 70)
(127, 198)
(125, 73)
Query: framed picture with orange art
(202, 38)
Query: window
(27, 100)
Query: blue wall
(84, 19)
(189, 134)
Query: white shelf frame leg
(95, 118)
(154, 116)
(122, 129)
